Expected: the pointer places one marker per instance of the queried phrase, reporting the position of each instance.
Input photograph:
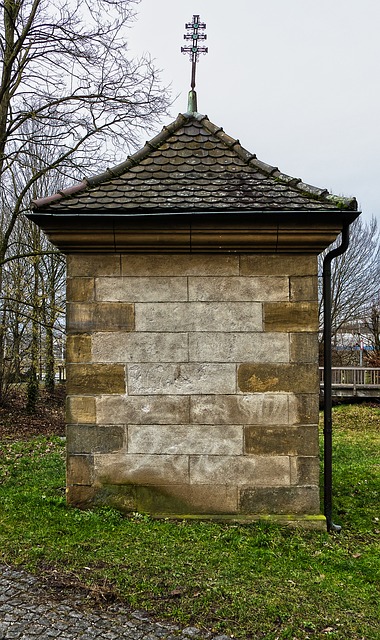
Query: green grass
(252, 581)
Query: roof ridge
(62, 193)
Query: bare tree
(355, 276)
(31, 300)
(372, 328)
(66, 70)
(53, 272)
(69, 95)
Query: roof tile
(192, 164)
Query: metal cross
(195, 34)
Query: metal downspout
(327, 363)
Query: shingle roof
(192, 165)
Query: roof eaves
(253, 214)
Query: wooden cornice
(235, 232)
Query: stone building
(192, 359)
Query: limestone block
(182, 379)
(180, 265)
(277, 440)
(256, 378)
(304, 347)
(238, 347)
(79, 317)
(120, 497)
(303, 288)
(80, 289)
(290, 316)
(78, 348)
(184, 499)
(95, 439)
(304, 470)
(80, 496)
(305, 408)
(280, 500)
(141, 289)
(199, 316)
(99, 316)
(122, 468)
(186, 439)
(79, 469)
(142, 409)
(91, 265)
(293, 409)
(259, 470)
(80, 410)
(95, 379)
(290, 265)
(140, 347)
(239, 288)
(258, 408)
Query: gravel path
(31, 611)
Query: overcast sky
(297, 82)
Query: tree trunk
(33, 384)
(49, 359)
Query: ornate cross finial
(195, 34)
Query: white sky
(297, 82)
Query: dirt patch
(49, 419)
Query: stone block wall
(192, 383)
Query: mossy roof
(192, 165)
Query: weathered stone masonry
(192, 386)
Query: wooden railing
(354, 378)
(62, 373)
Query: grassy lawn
(250, 581)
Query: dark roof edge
(252, 216)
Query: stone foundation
(192, 384)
